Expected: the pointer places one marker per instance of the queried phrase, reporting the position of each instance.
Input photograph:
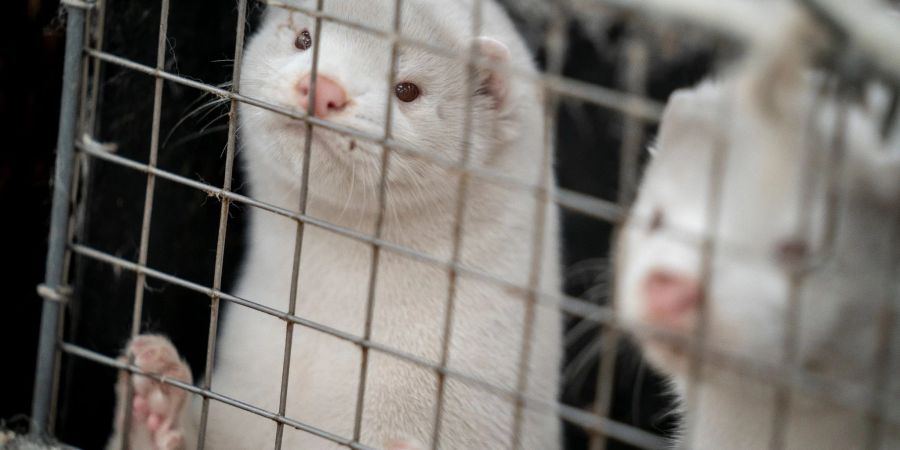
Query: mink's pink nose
(671, 298)
(330, 96)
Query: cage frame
(81, 68)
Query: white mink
(410, 295)
(775, 136)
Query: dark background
(201, 43)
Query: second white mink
(799, 224)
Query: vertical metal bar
(635, 81)
(379, 224)
(796, 275)
(783, 403)
(885, 349)
(556, 50)
(696, 344)
(91, 108)
(151, 179)
(94, 32)
(53, 275)
(72, 229)
(833, 206)
(298, 238)
(889, 122)
(86, 64)
(462, 194)
(78, 162)
(57, 364)
(148, 206)
(223, 220)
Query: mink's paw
(156, 407)
(402, 444)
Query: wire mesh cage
(112, 184)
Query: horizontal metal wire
(876, 32)
(570, 305)
(634, 105)
(78, 4)
(91, 355)
(737, 19)
(778, 375)
(573, 306)
(872, 25)
(576, 416)
(866, 23)
(594, 207)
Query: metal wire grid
(637, 109)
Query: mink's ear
(774, 71)
(690, 118)
(492, 82)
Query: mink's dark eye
(792, 252)
(657, 220)
(303, 41)
(406, 91)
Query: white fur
(761, 116)
(410, 295)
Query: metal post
(53, 277)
